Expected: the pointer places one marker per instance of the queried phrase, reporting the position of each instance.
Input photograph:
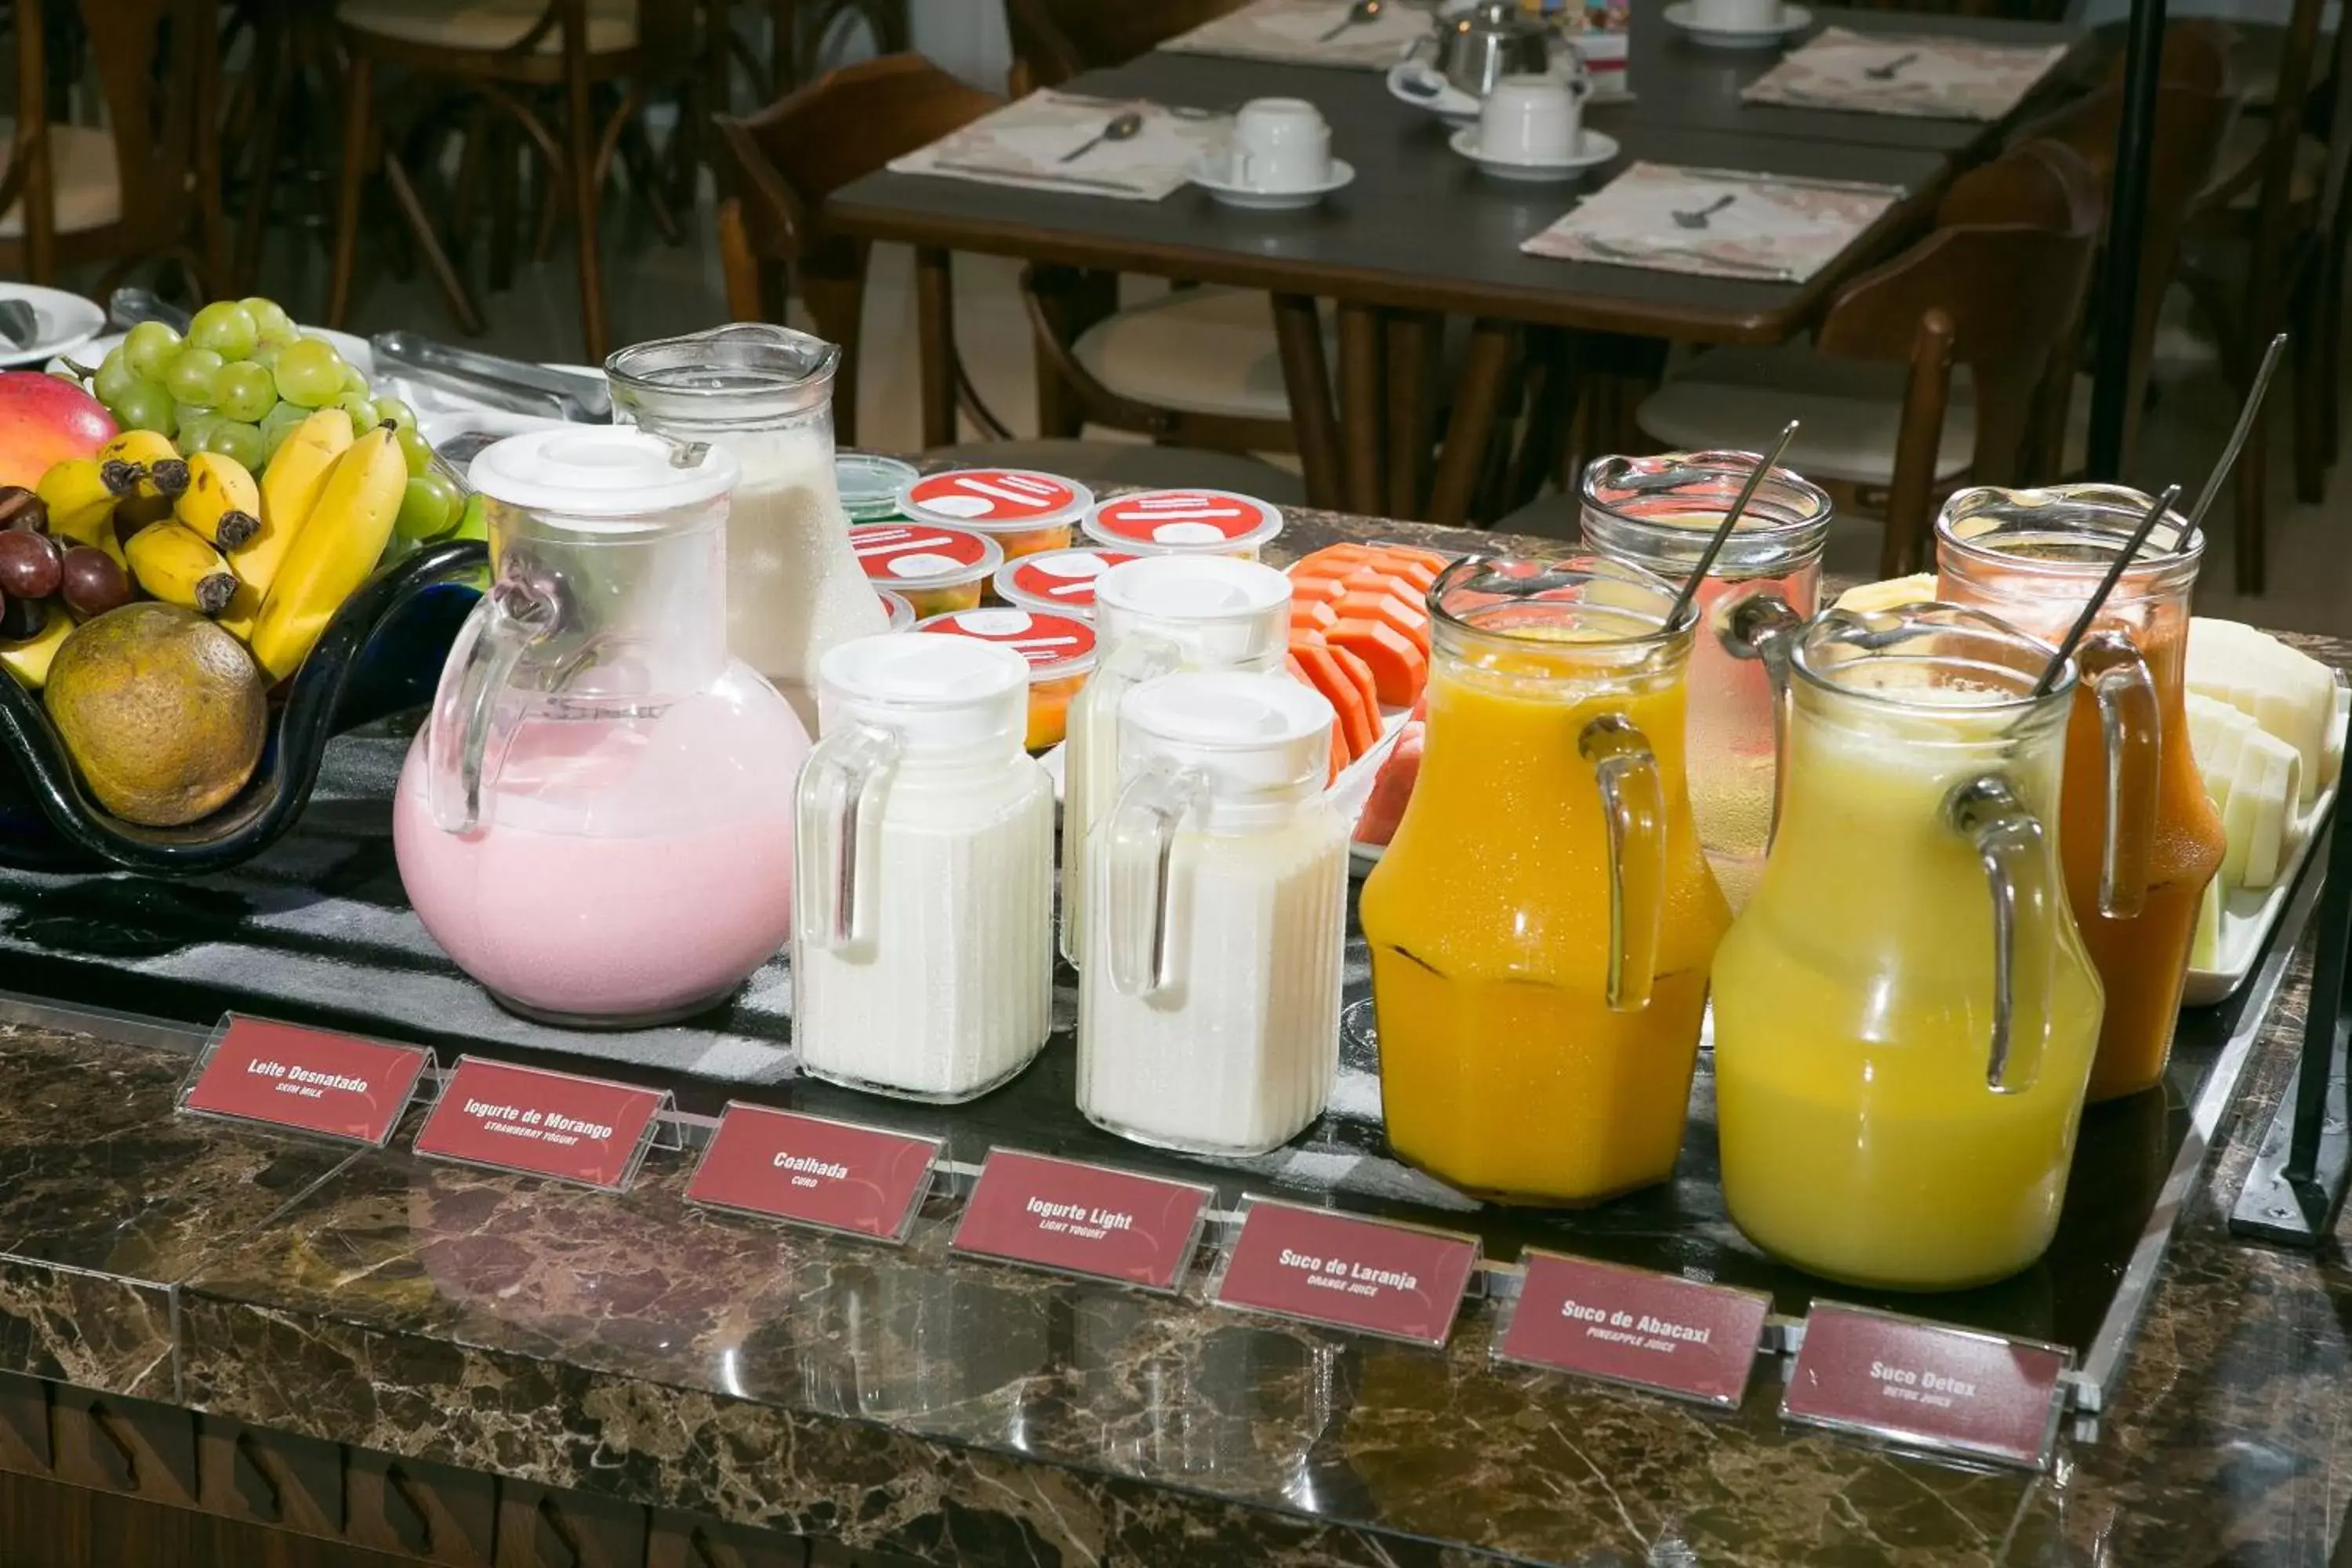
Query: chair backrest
(2010, 282)
(1053, 40)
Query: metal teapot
(1490, 39)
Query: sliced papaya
(1386, 607)
(1352, 665)
(1362, 725)
(1399, 670)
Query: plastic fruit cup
(869, 485)
(1056, 582)
(1024, 512)
(937, 570)
(1060, 649)
(902, 614)
(1185, 523)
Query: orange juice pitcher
(2138, 835)
(1541, 925)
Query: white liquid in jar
(949, 991)
(1237, 1055)
(793, 585)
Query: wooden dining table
(1422, 234)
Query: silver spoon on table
(1122, 128)
(1698, 219)
(1359, 13)
(1888, 72)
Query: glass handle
(2013, 848)
(1633, 803)
(1090, 762)
(1764, 626)
(469, 718)
(1138, 841)
(840, 788)
(2131, 723)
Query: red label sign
(1063, 578)
(1204, 518)
(1392, 1279)
(1042, 639)
(996, 495)
(1927, 1383)
(1628, 1325)
(894, 553)
(816, 1171)
(1083, 1219)
(547, 1123)
(307, 1079)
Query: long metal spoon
(2245, 427)
(1359, 13)
(2124, 558)
(1122, 128)
(1892, 68)
(1770, 461)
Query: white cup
(1281, 144)
(1736, 15)
(1530, 120)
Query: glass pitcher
(1659, 514)
(1153, 617)
(1905, 1015)
(764, 395)
(595, 821)
(1210, 1021)
(1541, 924)
(2136, 830)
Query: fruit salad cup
(1060, 649)
(869, 485)
(1057, 582)
(1185, 523)
(1023, 511)
(937, 570)
(902, 614)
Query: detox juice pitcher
(1904, 1016)
(1541, 924)
(2138, 835)
(1659, 512)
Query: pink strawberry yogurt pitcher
(596, 822)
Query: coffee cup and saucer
(1280, 159)
(1531, 129)
(1739, 24)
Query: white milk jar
(922, 951)
(765, 394)
(1153, 617)
(1210, 1020)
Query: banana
(179, 568)
(336, 549)
(139, 447)
(222, 503)
(291, 485)
(28, 660)
(81, 494)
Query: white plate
(1794, 19)
(1593, 148)
(1417, 83)
(64, 322)
(1214, 173)
(2249, 916)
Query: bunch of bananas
(270, 559)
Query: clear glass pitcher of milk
(764, 395)
(1209, 1016)
(595, 821)
(923, 953)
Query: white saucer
(1211, 172)
(1794, 19)
(64, 322)
(1592, 147)
(1415, 81)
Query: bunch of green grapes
(239, 382)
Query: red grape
(92, 584)
(29, 565)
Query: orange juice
(1507, 1067)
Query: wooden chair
(500, 67)
(1995, 290)
(148, 187)
(1053, 40)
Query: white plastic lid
(939, 694)
(1061, 582)
(1255, 736)
(1214, 522)
(996, 501)
(1221, 610)
(921, 555)
(1057, 647)
(600, 471)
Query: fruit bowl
(380, 655)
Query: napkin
(1763, 227)
(1029, 143)
(1931, 78)
(1309, 32)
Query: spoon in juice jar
(2238, 436)
(1770, 461)
(2124, 558)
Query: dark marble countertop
(635, 1347)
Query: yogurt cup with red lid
(1060, 649)
(1185, 523)
(937, 570)
(1056, 582)
(902, 614)
(1023, 511)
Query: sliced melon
(2290, 694)
(1890, 594)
